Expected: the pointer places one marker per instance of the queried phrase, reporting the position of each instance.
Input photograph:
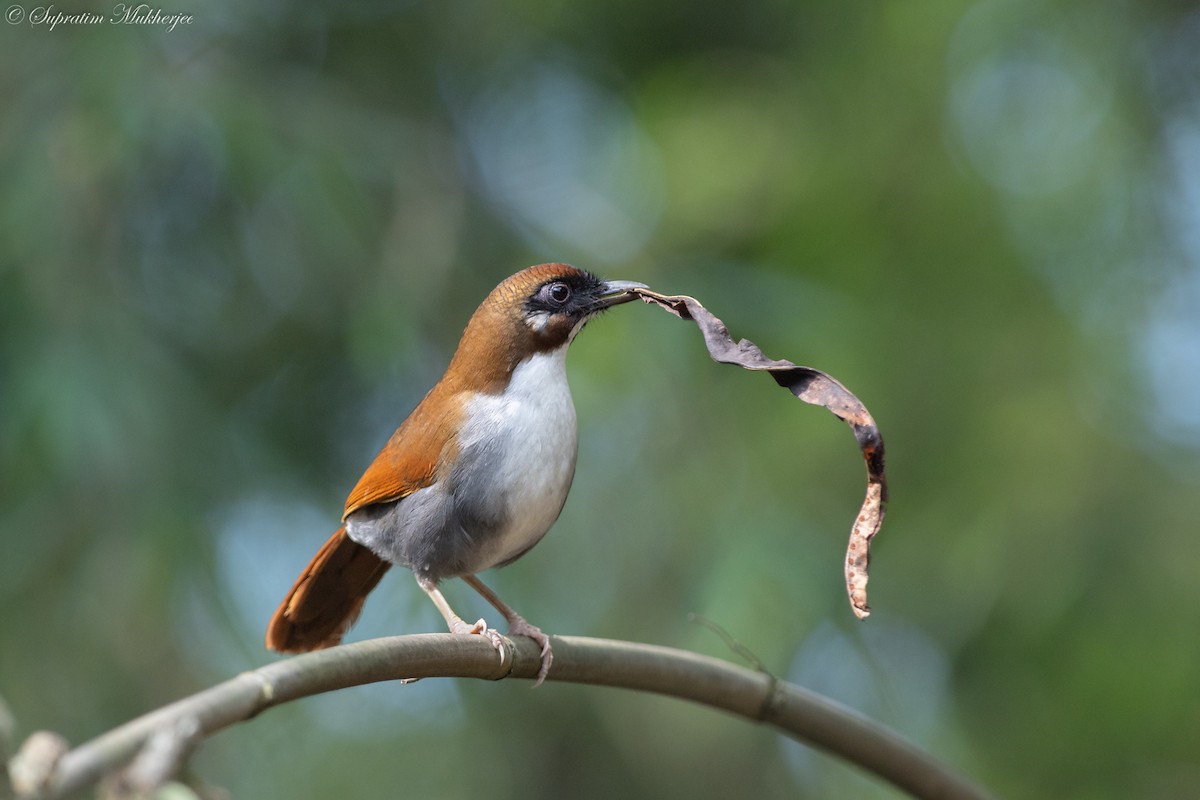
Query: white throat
(526, 438)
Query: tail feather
(327, 597)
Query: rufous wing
(411, 458)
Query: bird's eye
(560, 293)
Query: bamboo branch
(753, 695)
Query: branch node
(159, 760)
(773, 700)
(507, 649)
(266, 686)
(32, 768)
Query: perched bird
(474, 477)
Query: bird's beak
(617, 292)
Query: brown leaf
(815, 387)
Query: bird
(475, 475)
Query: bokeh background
(234, 255)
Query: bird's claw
(520, 627)
(517, 626)
(480, 628)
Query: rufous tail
(327, 597)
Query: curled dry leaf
(815, 387)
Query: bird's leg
(517, 625)
(458, 624)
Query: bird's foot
(518, 626)
(480, 628)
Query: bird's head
(540, 309)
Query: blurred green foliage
(235, 254)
